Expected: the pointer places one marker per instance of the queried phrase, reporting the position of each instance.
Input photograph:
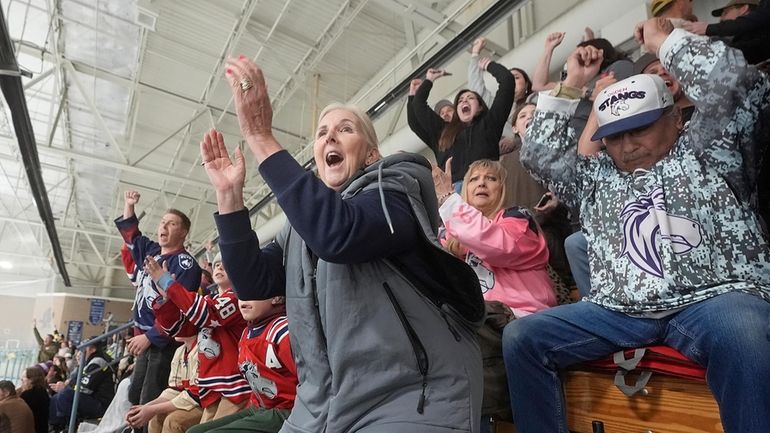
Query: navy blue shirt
(347, 231)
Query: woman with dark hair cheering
(475, 129)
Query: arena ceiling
(119, 93)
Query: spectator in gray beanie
(445, 109)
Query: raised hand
(154, 269)
(225, 175)
(131, 197)
(484, 62)
(602, 84)
(414, 85)
(442, 179)
(582, 65)
(434, 74)
(651, 33)
(252, 103)
(478, 45)
(697, 27)
(554, 40)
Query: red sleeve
(128, 263)
(203, 311)
(285, 356)
(171, 321)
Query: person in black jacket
(34, 392)
(475, 129)
(745, 24)
(97, 388)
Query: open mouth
(333, 159)
(482, 194)
(465, 109)
(243, 306)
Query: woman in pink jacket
(505, 247)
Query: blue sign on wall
(75, 331)
(96, 314)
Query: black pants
(150, 377)
(61, 406)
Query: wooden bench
(667, 404)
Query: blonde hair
(496, 168)
(361, 118)
(452, 244)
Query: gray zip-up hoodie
(376, 350)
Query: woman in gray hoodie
(382, 319)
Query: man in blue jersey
(153, 348)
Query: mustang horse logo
(618, 106)
(646, 224)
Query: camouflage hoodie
(683, 231)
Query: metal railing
(81, 366)
(14, 361)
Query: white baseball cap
(632, 103)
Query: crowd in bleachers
(434, 297)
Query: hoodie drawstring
(382, 199)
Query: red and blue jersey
(266, 361)
(218, 324)
(180, 263)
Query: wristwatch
(563, 91)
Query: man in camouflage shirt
(677, 256)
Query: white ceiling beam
(79, 156)
(134, 94)
(52, 127)
(93, 246)
(262, 45)
(39, 78)
(113, 235)
(411, 38)
(96, 210)
(247, 9)
(388, 75)
(239, 27)
(94, 110)
(336, 27)
(186, 125)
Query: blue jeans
(727, 334)
(576, 247)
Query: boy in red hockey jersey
(266, 361)
(215, 319)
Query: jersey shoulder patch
(185, 261)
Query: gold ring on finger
(246, 84)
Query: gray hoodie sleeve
(476, 80)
